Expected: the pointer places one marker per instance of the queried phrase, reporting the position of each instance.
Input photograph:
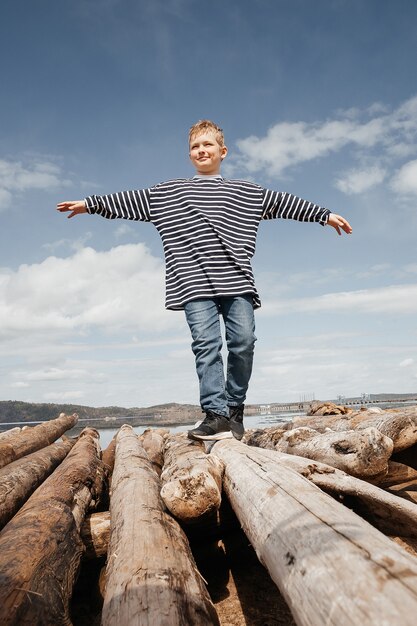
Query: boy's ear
(223, 152)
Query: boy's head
(206, 126)
(207, 149)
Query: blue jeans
(203, 318)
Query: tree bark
(19, 479)
(364, 453)
(35, 438)
(95, 533)
(40, 548)
(332, 567)
(151, 575)
(191, 480)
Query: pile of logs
(328, 502)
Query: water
(251, 421)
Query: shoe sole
(224, 435)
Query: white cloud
(405, 180)
(359, 180)
(399, 299)
(406, 362)
(122, 288)
(16, 177)
(287, 144)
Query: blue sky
(316, 98)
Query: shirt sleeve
(277, 204)
(128, 205)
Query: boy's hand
(338, 222)
(75, 206)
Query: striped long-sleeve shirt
(208, 226)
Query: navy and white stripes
(208, 226)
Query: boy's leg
(203, 318)
(239, 323)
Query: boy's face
(205, 153)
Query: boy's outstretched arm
(76, 207)
(338, 222)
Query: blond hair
(203, 126)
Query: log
(400, 426)
(398, 474)
(191, 479)
(386, 511)
(107, 457)
(151, 577)
(95, 533)
(153, 442)
(34, 438)
(6, 434)
(19, 479)
(40, 548)
(364, 453)
(332, 567)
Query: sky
(317, 98)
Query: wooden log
(153, 442)
(408, 456)
(389, 513)
(35, 438)
(361, 453)
(151, 577)
(398, 474)
(107, 457)
(332, 567)
(191, 479)
(19, 479)
(400, 426)
(6, 434)
(95, 533)
(41, 548)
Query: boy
(208, 227)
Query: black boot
(213, 427)
(236, 421)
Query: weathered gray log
(362, 453)
(385, 510)
(35, 438)
(398, 425)
(19, 479)
(151, 577)
(153, 442)
(95, 533)
(332, 567)
(191, 479)
(9, 433)
(41, 548)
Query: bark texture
(35, 438)
(151, 577)
(191, 479)
(40, 548)
(19, 479)
(332, 567)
